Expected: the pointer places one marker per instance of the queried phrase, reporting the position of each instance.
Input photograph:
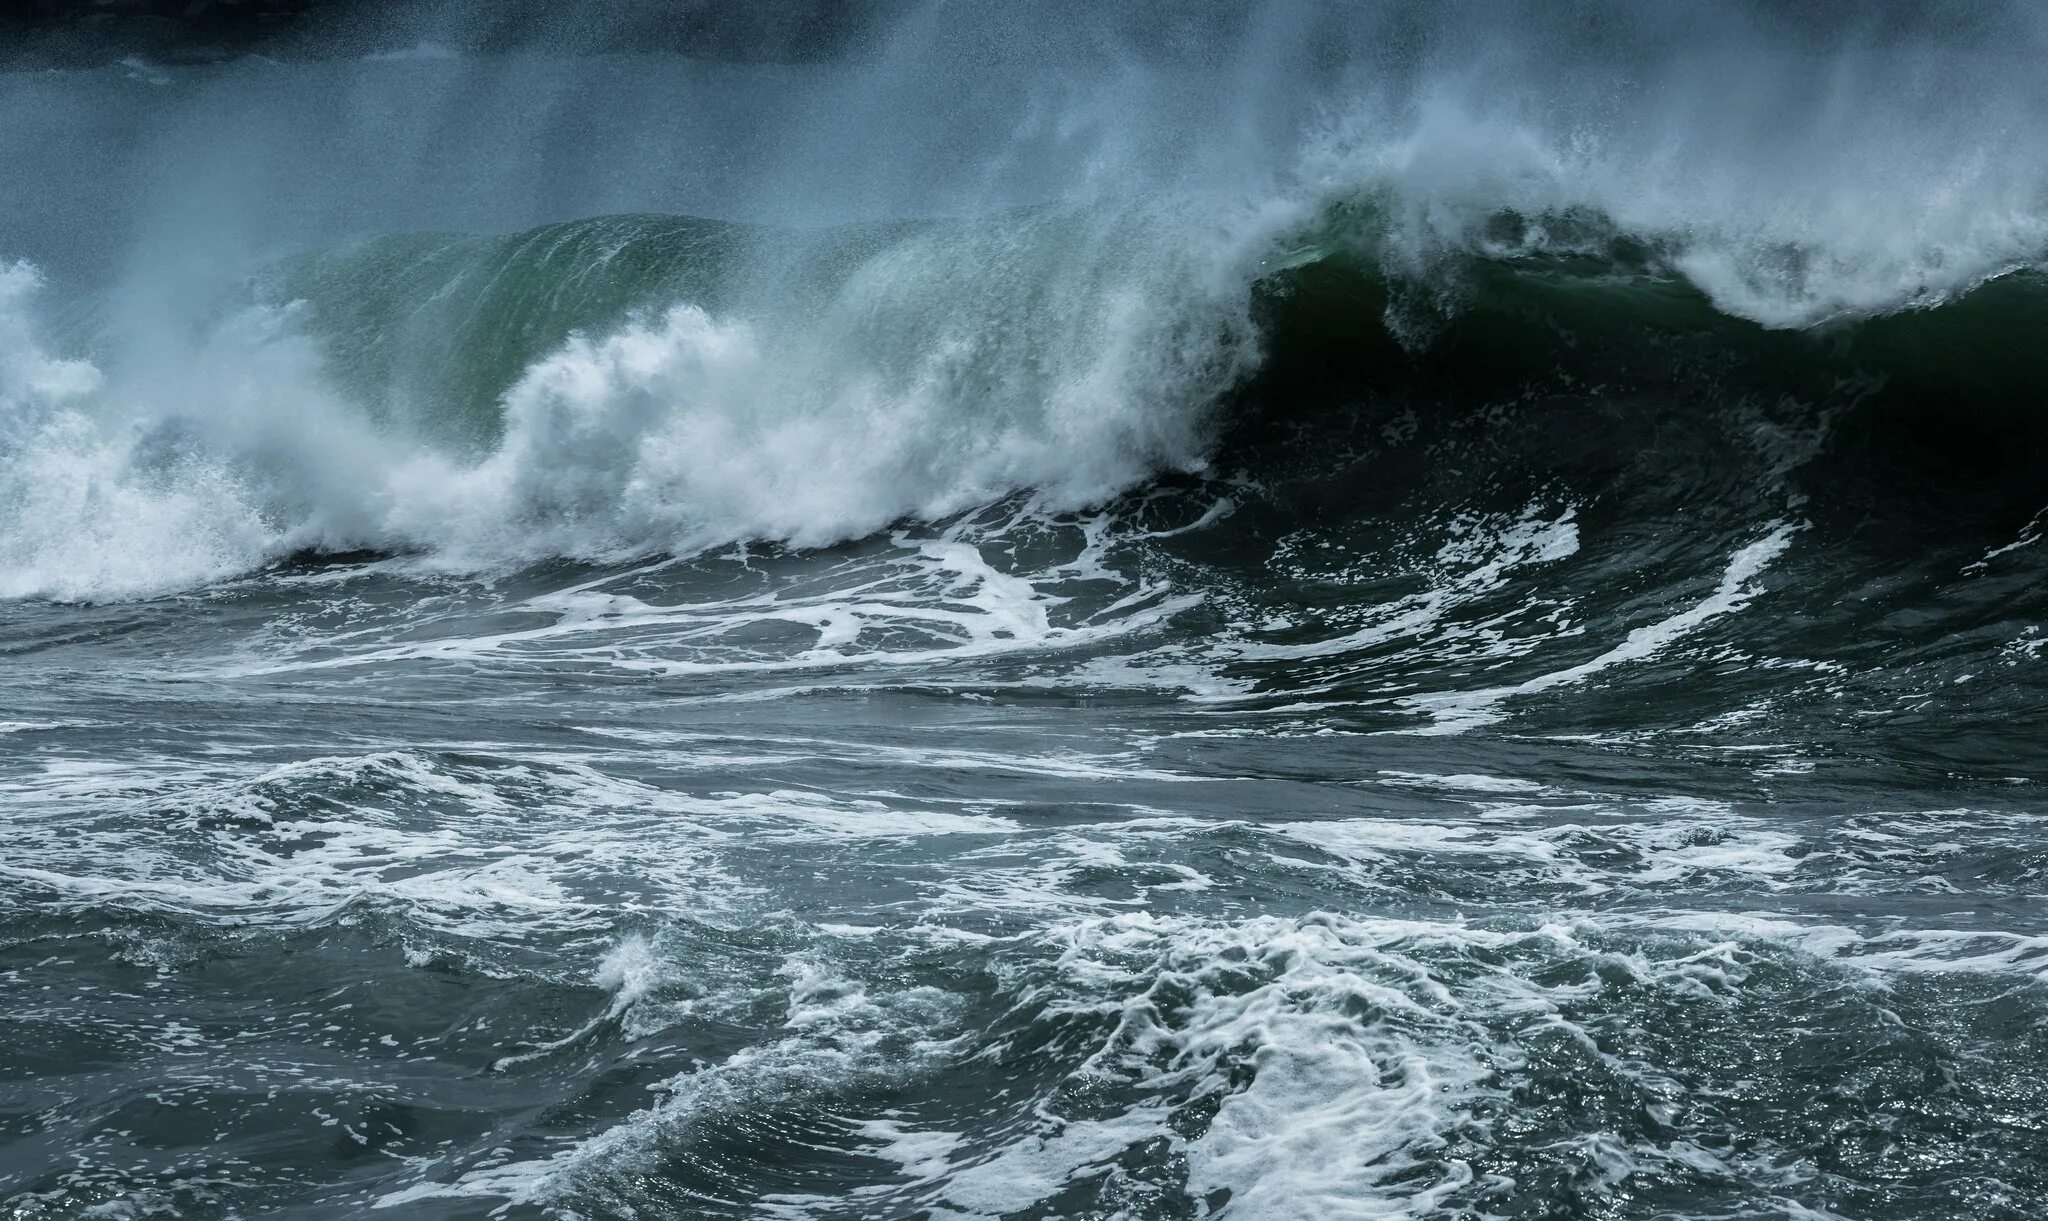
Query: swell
(448, 324)
(1336, 317)
(1929, 402)
(634, 384)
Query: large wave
(1802, 203)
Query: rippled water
(1128, 612)
(1002, 869)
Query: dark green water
(1301, 612)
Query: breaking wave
(640, 383)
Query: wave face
(626, 385)
(638, 383)
(1143, 611)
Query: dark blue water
(1486, 661)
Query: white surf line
(998, 624)
(1454, 712)
(2029, 534)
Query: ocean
(1115, 611)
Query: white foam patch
(1322, 1066)
(1341, 1060)
(1672, 842)
(1046, 757)
(924, 600)
(923, 1155)
(631, 970)
(1882, 953)
(1457, 711)
(1476, 560)
(180, 471)
(1037, 1166)
(1811, 231)
(307, 842)
(1461, 783)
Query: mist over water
(1068, 215)
(1071, 610)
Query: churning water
(1067, 611)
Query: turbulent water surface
(1299, 612)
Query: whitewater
(1061, 611)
